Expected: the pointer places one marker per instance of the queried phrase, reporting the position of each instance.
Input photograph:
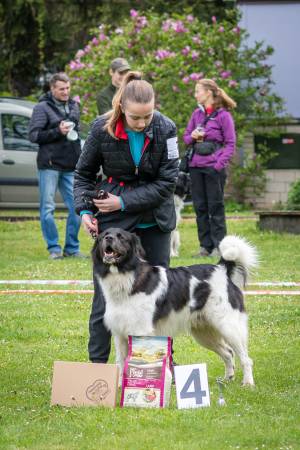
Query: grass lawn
(35, 330)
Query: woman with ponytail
(211, 134)
(135, 146)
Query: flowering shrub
(174, 52)
(293, 202)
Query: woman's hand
(198, 135)
(112, 203)
(90, 224)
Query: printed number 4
(197, 393)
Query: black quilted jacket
(55, 151)
(146, 190)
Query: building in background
(276, 22)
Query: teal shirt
(136, 144)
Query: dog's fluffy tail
(239, 257)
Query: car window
(15, 133)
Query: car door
(18, 172)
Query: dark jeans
(208, 199)
(157, 247)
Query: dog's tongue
(110, 256)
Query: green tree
(174, 51)
(37, 36)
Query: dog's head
(183, 183)
(118, 247)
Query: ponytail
(221, 99)
(133, 89)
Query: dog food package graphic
(147, 377)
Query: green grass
(36, 330)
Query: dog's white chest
(126, 314)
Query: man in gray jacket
(54, 126)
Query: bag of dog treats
(147, 376)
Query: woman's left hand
(112, 203)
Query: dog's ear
(137, 246)
(95, 250)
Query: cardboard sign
(191, 386)
(147, 377)
(84, 384)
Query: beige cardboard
(84, 384)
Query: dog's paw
(248, 383)
(229, 378)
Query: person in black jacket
(54, 126)
(136, 148)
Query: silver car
(18, 170)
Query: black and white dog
(182, 189)
(205, 300)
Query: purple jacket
(219, 129)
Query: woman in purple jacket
(211, 133)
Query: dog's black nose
(108, 238)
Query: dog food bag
(147, 377)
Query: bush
(173, 52)
(293, 202)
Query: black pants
(157, 247)
(208, 199)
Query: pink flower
(134, 13)
(218, 63)
(196, 76)
(232, 83)
(195, 55)
(179, 27)
(166, 25)
(87, 49)
(236, 30)
(185, 80)
(186, 50)
(196, 40)
(142, 21)
(231, 46)
(221, 29)
(119, 30)
(176, 25)
(76, 98)
(75, 65)
(214, 19)
(175, 88)
(102, 37)
(79, 54)
(211, 51)
(190, 18)
(163, 54)
(130, 44)
(95, 41)
(225, 74)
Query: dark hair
(132, 89)
(219, 95)
(60, 76)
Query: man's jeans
(49, 182)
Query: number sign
(191, 386)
